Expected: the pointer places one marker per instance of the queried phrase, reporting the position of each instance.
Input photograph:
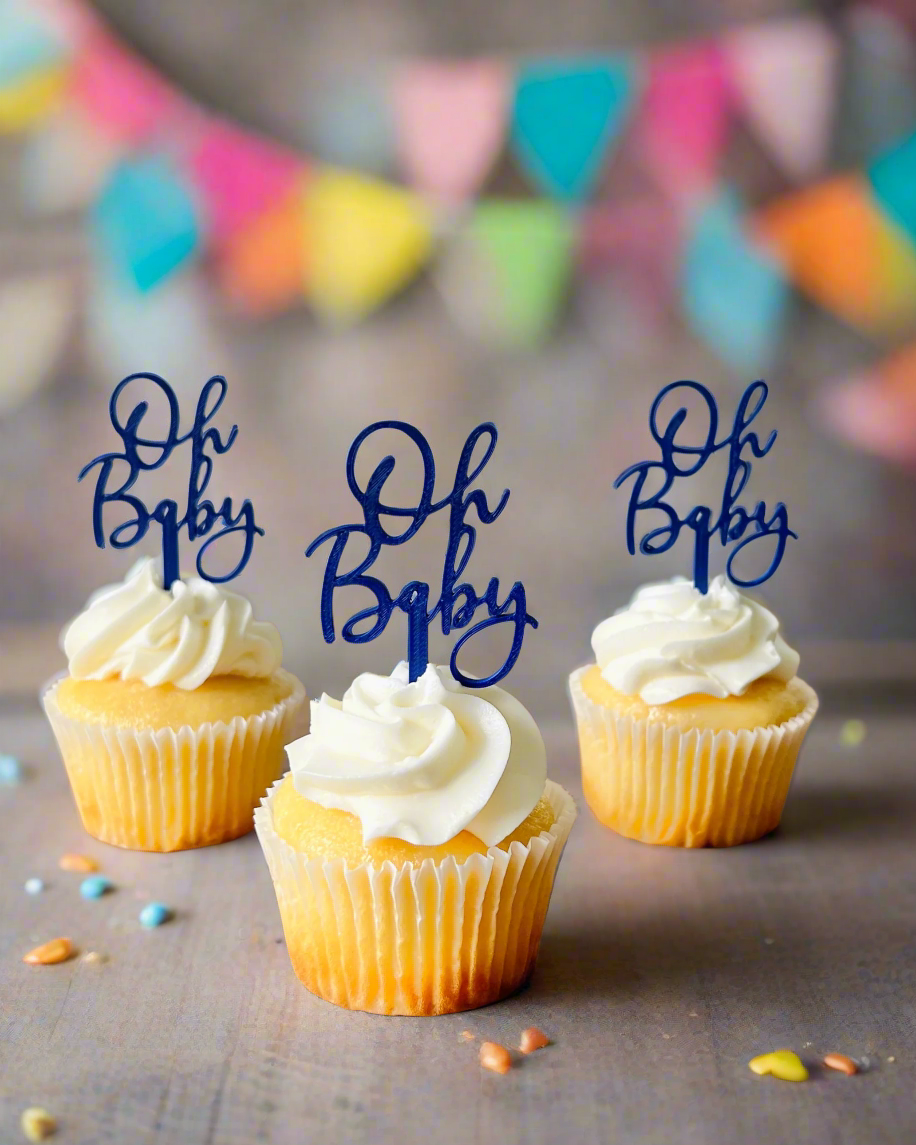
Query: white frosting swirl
(424, 761)
(671, 641)
(138, 631)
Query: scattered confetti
(769, 941)
(852, 733)
(693, 1014)
(94, 956)
(154, 914)
(466, 1036)
(57, 950)
(95, 886)
(37, 1123)
(34, 886)
(532, 1039)
(892, 1059)
(842, 1063)
(80, 863)
(784, 1064)
(495, 1057)
(11, 771)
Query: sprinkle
(784, 1064)
(466, 1036)
(693, 1014)
(892, 1059)
(842, 1063)
(768, 941)
(34, 886)
(37, 1123)
(95, 886)
(80, 863)
(11, 771)
(94, 956)
(495, 1057)
(852, 733)
(57, 950)
(532, 1039)
(154, 914)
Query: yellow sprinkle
(81, 863)
(94, 956)
(784, 1064)
(37, 1123)
(852, 733)
(891, 1059)
(57, 950)
(466, 1036)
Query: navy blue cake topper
(200, 516)
(458, 602)
(732, 522)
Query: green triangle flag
(505, 275)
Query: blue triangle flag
(566, 116)
(145, 222)
(893, 180)
(26, 43)
(734, 292)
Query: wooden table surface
(661, 973)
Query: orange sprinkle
(57, 950)
(532, 1039)
(842, 1063)
(495, 1057)
(81, 863)
(466, 1036)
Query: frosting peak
(136, 630)
(423, 761)
(672, 641)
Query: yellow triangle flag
(366, 240)
(29, 100)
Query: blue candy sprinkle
(95, 886)
(10, 769)
(154, 914)
(34, 886)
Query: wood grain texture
(656, 983)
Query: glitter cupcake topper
(458, 602)
(733, 522)
(200, 516)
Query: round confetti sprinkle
(10, 769)
(852, 733)
(37, 1123)
(94, 956)
(95, 886)
(49, 953)
(34, 886)
(154, 914)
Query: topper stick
(166, 514)
(414, 599)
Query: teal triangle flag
(145, 222)
(566, 116)
(893, 181)
(734, 292)
(26, 43)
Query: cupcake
(174, 714)
(414, 844)
(691, 720)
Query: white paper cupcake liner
(685, 788)
(428, 938)
(168, 790)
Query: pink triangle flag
(681, 125)
(120, 93)
(450, 120)
(785, 74)
(238, 176)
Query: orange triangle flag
(263, 266)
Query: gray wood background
(661, 973)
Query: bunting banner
(506, 175)
(876, 410)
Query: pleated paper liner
(685, 788)
(168, 790)
(428, 938)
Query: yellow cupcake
(415, 875)
(697, 744)
(173, 719)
